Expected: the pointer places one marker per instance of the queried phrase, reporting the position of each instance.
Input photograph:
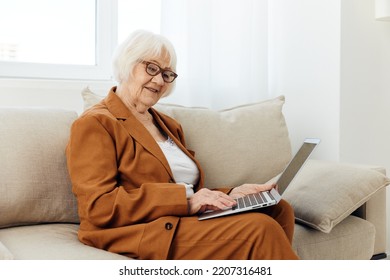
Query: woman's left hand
(246, 189)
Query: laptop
(272, 197)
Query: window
(68, 39)
(62, 39)
(49, 34)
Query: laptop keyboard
(253, 199)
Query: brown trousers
(262, 235)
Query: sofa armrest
(374, 211)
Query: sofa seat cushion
(5, 254)
(50, 242)
(352, 239)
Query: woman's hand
(206, 199)
(246, 189)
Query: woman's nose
(158, 79)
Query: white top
(183, 168)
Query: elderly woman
(139, 189)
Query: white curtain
(222, 48)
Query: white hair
(138, 46)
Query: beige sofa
(340, 208)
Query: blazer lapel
(135, 128)
(162, 124)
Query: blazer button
(168, 226)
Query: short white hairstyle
(138, 46)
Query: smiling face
(141, 90)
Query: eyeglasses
(153, 70)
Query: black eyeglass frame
(165, 72)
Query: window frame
(106, 40)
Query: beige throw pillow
(324, 193)
(90, 98)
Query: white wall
(365, 88)
(331, 60)
(304, 47)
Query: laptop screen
(296, 163)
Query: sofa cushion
(244, 144)
(5, 254)
(34, 184)
(90, 98)
(352, 239)
(51, 242)
(324, 193)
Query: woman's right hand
(206, 199)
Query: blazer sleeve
(93, 167)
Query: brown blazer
(127, 199)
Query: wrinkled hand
(246, 189)
(206, 199)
